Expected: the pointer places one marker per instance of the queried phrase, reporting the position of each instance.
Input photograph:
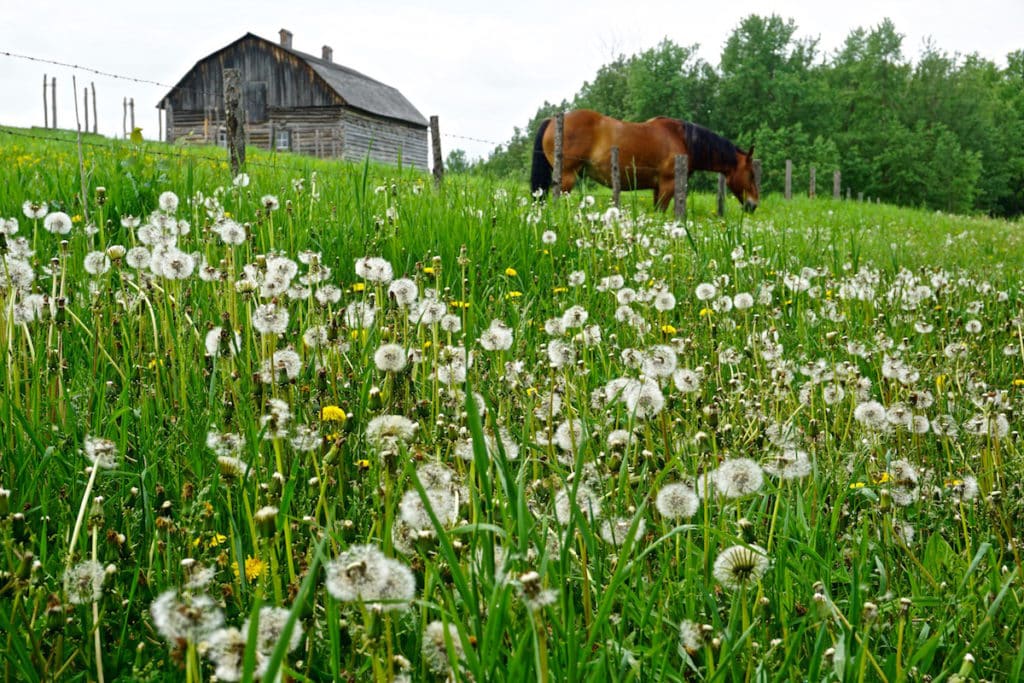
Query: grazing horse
(647, 153)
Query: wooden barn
(298, 103)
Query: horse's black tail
(540, 171)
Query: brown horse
(647, 154)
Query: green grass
(895, 557)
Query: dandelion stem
(81, 514)
(96, 616)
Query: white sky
(482, 70)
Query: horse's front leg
(570, 174)
(664, 192)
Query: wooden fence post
(95, 117)
(131, 112)
(811, 191)
(837, 182)
(789, 179)
(234, 124)
(81, 155)
(46, 109)
(682, 186)
(556, 172)
(53, 100)
(616, 179)
(85, 107)
(720, 198)
(435, 142)
(124, 117)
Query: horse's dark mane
(706, 149)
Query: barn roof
(358, 90)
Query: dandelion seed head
(677, 501)
(740, 566)
(270, 629)
(390, 358)
(83, 582)
(58, 223)
(738, 477)
(189, 617)
(434, 647)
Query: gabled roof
(358, 90)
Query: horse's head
(742, 181)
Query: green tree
(662, 81)
(609, 92)
(868, 83)
(766, 77)
(776, 145)
(456, 162)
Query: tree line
(942, 131)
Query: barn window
(283, 140)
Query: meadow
(321, 421)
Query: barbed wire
(79, 67)
(472, 139)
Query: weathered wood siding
(280, 91)
(386, 141)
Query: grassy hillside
(328, 420)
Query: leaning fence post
(556, 172)
(95, 118)
(435, 142)
(789, 179)
(837, 181)
(811, 192)
(720, 199)
(53, 101)
(682, 186)
(616, 179)
(233, 123)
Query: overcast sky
(482, 70)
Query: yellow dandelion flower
(358, 287)
(455, 303)
(882, 478)
(333, 414)
(559, 290)
(511, 272)
(513, 295)
(363, 464)
(668, 329)
(254, 568)
(940, 381)
(428, 270)
(426, 345)
(706, 311)
(1018, 382)
(857, 485)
